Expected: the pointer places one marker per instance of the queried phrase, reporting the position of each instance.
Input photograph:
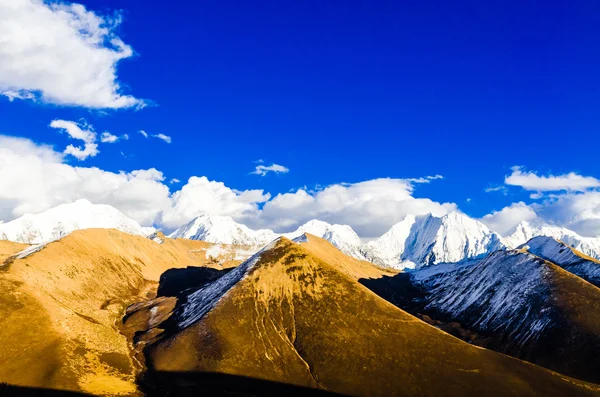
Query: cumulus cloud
(201, 195)
(262, 170)
(508, 217)
(61, 53)
(107, 137)
(577, 211)
(370, 207)
(566, 182)
(45, 180)
(144, 133)
(79, 131)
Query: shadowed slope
(60, 308)
(514, 302)
(288, 315)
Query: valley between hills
(132, 312)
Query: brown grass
(300, 317)
(61, 308)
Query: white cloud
(262, 170)
(163, 137)
(174, 180)
(12, 95)
(577, 211)
(79, 131)
(44, 181)
(425, 179)
(567, 182)
(62, 54)
(201, 195)
(107, 137)
(370, 207)
(144, 133)
(508, 217)
(496, 189)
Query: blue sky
(349, 92)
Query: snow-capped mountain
(526, 230)
(413, 242)
(343, 237)
(63, 219)
(223, 230)
(563, 255)
(388, 249)
(427, 239)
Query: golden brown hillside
(8, 249)
(61, 308)
(294, 314)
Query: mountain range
(540, 303)
(414, 242)
(292, 314)
(108, 312)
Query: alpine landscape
(299, 198)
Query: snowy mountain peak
(223, 230)
(527, 230)
(63, 219)
(450, 238)
(343, 237)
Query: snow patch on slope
(507, 292)
(563, 255)
(206, 298)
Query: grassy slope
(578, 350)
(60, 309)
(297, 318)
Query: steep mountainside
(61, 305)
(527, 230)
(566, 257)
(62, 220)
(289, 315)
(431, 240)
(518, 303)
(388, 249)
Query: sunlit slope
(61, 308)
(9, 248)
(565, 256)
(295, 314)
